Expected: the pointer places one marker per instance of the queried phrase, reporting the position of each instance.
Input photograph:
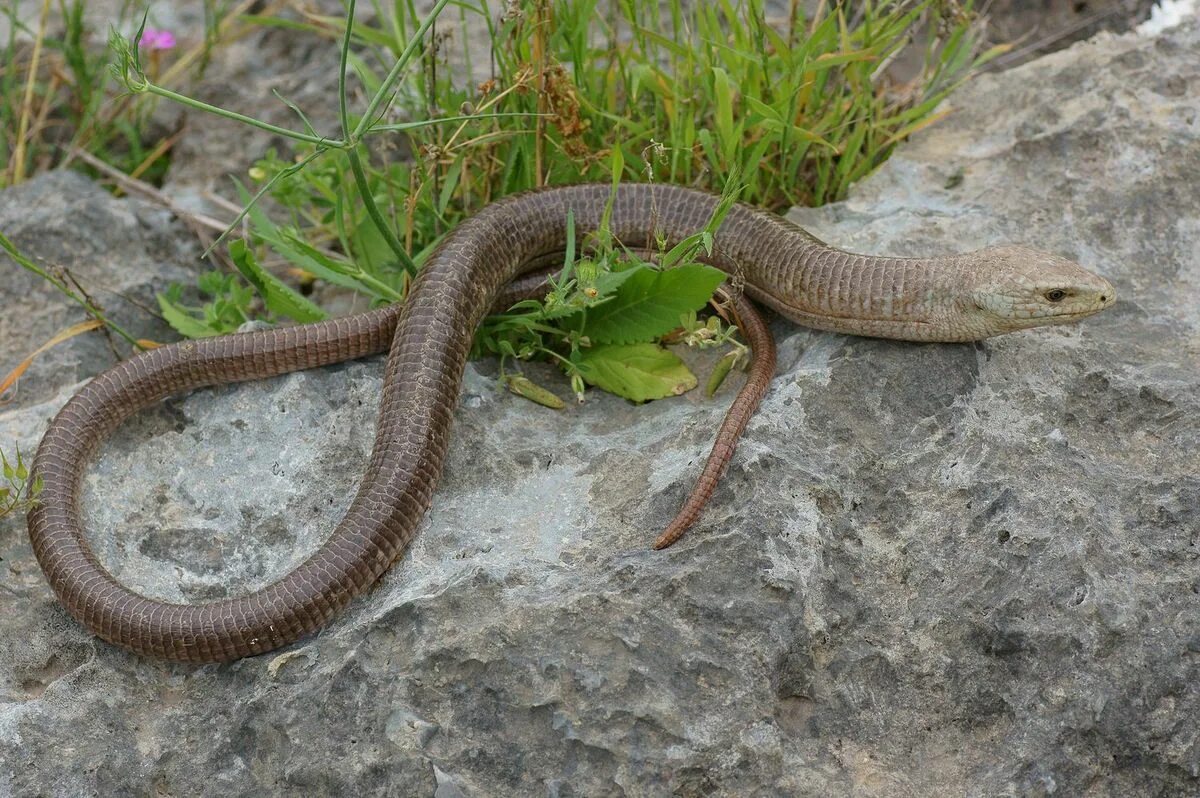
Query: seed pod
(523, 386)
(586, 271)
(719, 373)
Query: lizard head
(1017, 288)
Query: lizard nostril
(1103, 298)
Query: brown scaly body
(952, 298)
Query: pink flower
(153, 39)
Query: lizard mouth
(1072, 315)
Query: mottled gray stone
(931, 570)
(120, 252)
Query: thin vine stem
(320, 141)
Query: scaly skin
(954, 298)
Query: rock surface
(931, 570)
(1036, 27)
(121, 253)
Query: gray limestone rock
(931, 570)
(120, 252)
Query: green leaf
(277, 295)
(618, 169)
(723, 89)
(609, 281)
(569, 252)
(640, 372)
(449, 184)
(827, 60)
(604, 233)
(288, 244)
(759, 107)
(183, 322)
(559, 312)
(649, 303)
(371, 249)
(708, 146)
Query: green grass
(801, 108)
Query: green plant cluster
(689, 94)
(606, 312)
(17, 492)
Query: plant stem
(320, 141)
(343, 109)
(364, 189)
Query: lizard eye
(1056, 295)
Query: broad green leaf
(649, 303)
(708, 146)
(778, 43)
(640, 75)
(617, 165)
(639, 372)
(277, 296)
